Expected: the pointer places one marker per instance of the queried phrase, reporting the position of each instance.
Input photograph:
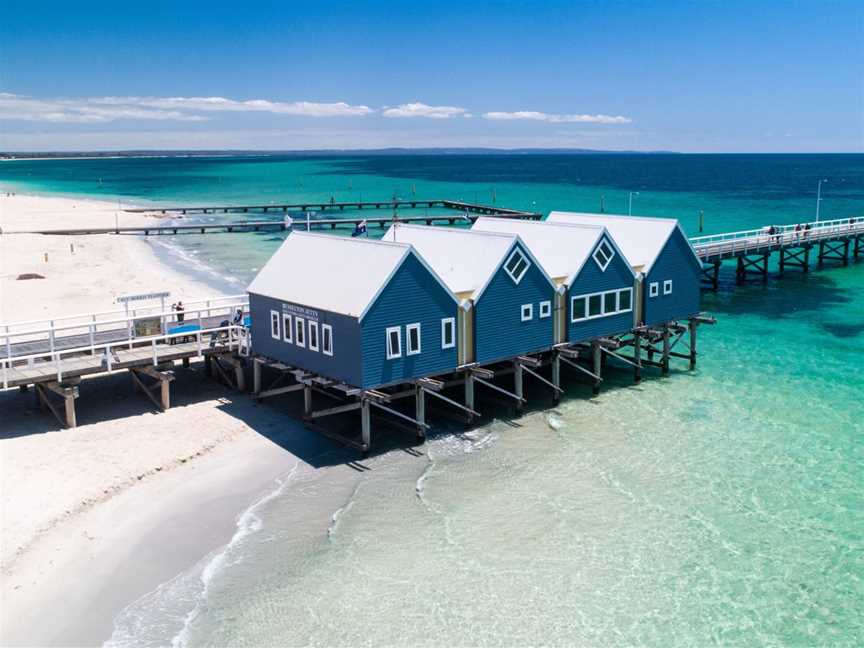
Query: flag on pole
(359, 229)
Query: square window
(394, 342)
(595, 305)
(545, 308)
(517, 265)
(313, 336)
(412, 335)
(610, 303)
(300, 331)
(274, 325)
(527, 312)
(448, 333)
(603, 254)
(667, 287)
(653, 289)
(286, 327)
(625, 300)
(578, 308)
(327, 339)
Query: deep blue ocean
(723, 506)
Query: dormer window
(517, 265)
(604, 254)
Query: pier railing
(232, 336)
(755, 240)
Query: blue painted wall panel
(677, 263)
(413, 295)
(499, 332)
(592, 279)
(344, 364)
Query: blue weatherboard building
(367, 313)
(595, 281)
(506, 296)
(659, 251)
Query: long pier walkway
(834, 240)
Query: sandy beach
(97, 516)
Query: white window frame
(614, 294)
(398, 331)
(545, 309)
(452, 322)
(667, 287)
(584, 315)
(326, 333)
(408, 350)
(275, 324)
(300, 331)
(653, 289)
(286, 328)
(529, 308)
(602, 265)
(524, 256)
(618, 300)
(313, 326)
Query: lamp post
(630, 208)
(819, 195)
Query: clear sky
(684, 76)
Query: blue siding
(344, 364)
(499, 332)
(412, 295)
(676, 262)
(592, 279)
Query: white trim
(527, 252)
(602, 295)
(602, 233)
(398, 331)
(300, 331)
(325, 329)
(452, 322)
(525, 258)
(653, 289)
(287, 335)
(408, 349)
(529, 308)
(275, 324)
(545, 309)
(667, 287)
(602, 265)
(313, 326)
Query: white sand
(75, 503)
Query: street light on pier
(630, 207)
(819, 196)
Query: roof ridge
(522, 221)
(347, 239)
(436, 228)
(618, 216)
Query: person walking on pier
(797, 232)
(806, 230)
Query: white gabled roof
(335, 273)
(560, 248)
(464, 260)
(640, 238)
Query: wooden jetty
(833, 240)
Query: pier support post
(715, 278)
(469, 392)
(597, 362)
(257, 365)
(365, 425)
(420, 411)
(692, 324)
(637, 357)
(556, 376)
(664, 361)
(518, 383)
(307, 401)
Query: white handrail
(839, 223)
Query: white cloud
(531, 115)
(105, 109)
(418, 109)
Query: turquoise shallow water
(722, 506)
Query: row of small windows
(293, 330)
(413, 344)
(654, 288)
(601, 304)
(545, 309)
